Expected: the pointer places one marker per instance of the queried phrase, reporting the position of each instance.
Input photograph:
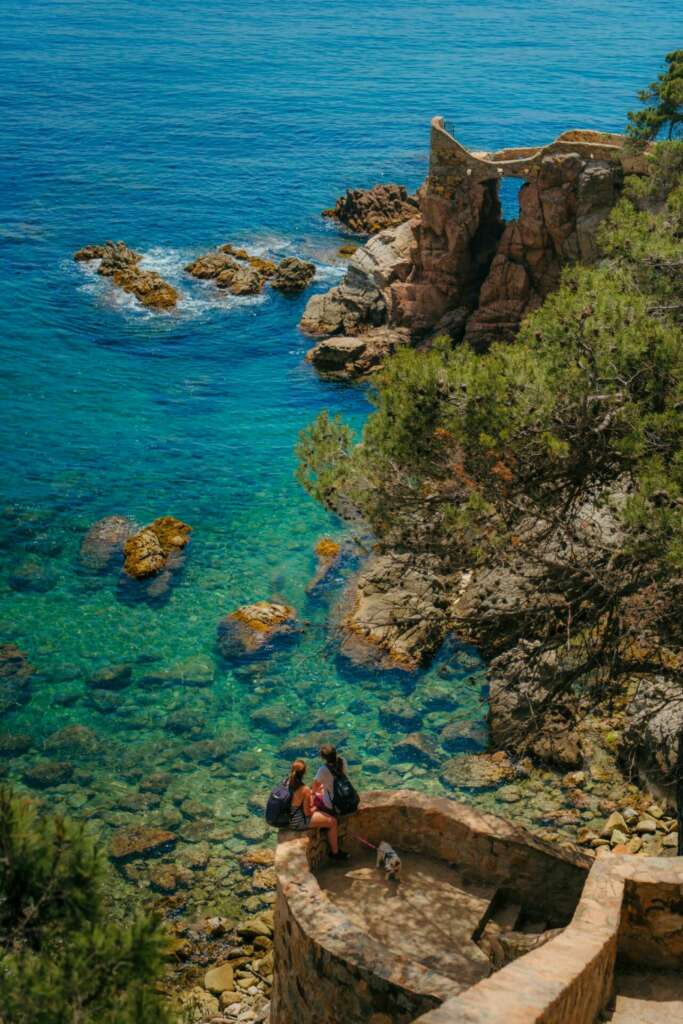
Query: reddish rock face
(155, 546)
(456, 239)
(559, 214)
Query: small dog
(388, 859)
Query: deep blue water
(176, 127)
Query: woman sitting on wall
(303, 814)
(339, 796)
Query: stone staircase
(647, 998)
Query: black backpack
(279, 806)
(345, 799)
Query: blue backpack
(279, 806)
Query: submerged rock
(140, 841)
(196, 670)
(369, 210)
(104, 542)
(155, 547)
(308, 744)
(32, 576)
(13, 744)
(418, 748)
(111, 677)
(46, 774)
(292, 275)
(72, 739)
(274, 718)
(253, 628)
(477, 771)
(15, 677)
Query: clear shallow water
(176, 129)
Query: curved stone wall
(631, 911)
(327, 970)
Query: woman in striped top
(302, 813)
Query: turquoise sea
(177, 127)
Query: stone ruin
(582, 940)
(457, 268)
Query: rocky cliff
(458, 269)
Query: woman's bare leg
(321, 820)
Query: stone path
(429, 916)
(648, 998)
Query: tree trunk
(679, 793)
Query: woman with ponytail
(333, 768)
(303, 814)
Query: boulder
(292, 275)
(46, 774)
(197, 670)
(395, 612)
(350, 358)
(364, 298)
(219, 979)
(14, 744)
(72, 739)
(155, 547)
(369, 210)
(121, 264)
(15, 678)
(212, 264)
(104, 542)
(252, 629)
(32, 576)
(241, 280)
(140, 841)
(417, 748)
(111, 677)
(653, 725)
(148, 287)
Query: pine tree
(62, 958)
(667, 110)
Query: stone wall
(327, 970)
(631, 911)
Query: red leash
(361, 840)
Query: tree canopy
(666, 112)
(62, 957)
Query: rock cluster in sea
(121, 264)
(242, 274)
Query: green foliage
(495, 458)
(666, 112)
(62, 958)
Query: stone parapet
(328, 970)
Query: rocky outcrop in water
(103, 543)
(369, 210)
(242, 274)
(253, 629)
(292, 276)
(396, 612)
(121, 264)
(344, 358)
(363, 299)
(328, 553)
(156, 547)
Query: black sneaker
(339, 855)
